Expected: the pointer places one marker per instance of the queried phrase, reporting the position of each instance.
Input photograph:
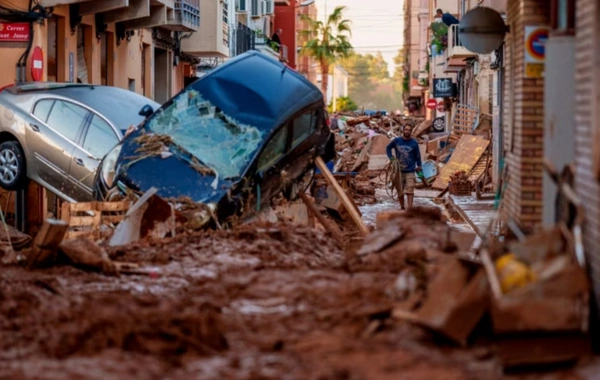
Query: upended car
(231, 140)
(57, 133)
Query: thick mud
(261, 302)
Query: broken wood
(329, 226)
(86, 254)
(343, 196)
(46, 242)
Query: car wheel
(291, 192)
(13, 175)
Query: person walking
(406, 162)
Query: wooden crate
(460, 188)
(85, 218)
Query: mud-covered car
(57, 133)
(231, 140)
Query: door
(51, 138)
(303, 141)
(99, 139)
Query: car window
(303, 126)
(100, 137)
(66, 118)
(274, 150)
(42, 109)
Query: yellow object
(513, 273)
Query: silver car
(57, 133)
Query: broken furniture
(86, 218)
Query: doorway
(162, 79)
(107, 45)
(56, 49)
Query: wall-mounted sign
(37, 64)
(535, 50)
(14, 32)
(443, 88)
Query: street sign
(441, 106)
(37, 64)
(431, 104)
(14, 32)
(535, 50)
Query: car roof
(119, 106)
(258, 90)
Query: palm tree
(327, 42)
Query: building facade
(113, 43)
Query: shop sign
(444, 88)
(535, 50)
(14, 32)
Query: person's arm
(418, 155)
(389, 148)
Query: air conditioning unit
(242, 6)
(267, 7)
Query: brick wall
(523, 118)
(587, 187)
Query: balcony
(267, 46)
(455, 54)
(184, 17)
(212, 38)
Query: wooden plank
(77, 234)
(113, 206)
(329, 226)
(76, 221)
(343, 196)
(80, 206)
(466, 155)
(46, 242)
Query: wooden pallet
(465, 120)
(85, 218)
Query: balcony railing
(455, 46)
(186, 16)
(245, 39)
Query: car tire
(291, 192)
(13, 175)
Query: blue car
(231, 140)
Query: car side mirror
(146, 111)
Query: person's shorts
(408, 183)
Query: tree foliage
(327, 41)
(343, 103)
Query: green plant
(405, 84)
(439, 33)
(343, 103)
(427, 66)
(327, 41)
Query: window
(42, 109)
(100, 137)
(66, 118)
(274, 150)
(563, 15)
(303, 126)
(255, 9)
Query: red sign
(14, 32)
(441, 106)
(37, 64)
(431, 104)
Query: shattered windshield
(217, 140)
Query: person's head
(407, 131)
(439, 13)
(279, 31)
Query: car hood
(173, 176)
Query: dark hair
(439, 11)
(407, 125)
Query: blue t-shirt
(407, 153)
(449, 20)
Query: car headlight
(109, 166)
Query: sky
(377, 25)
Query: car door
(51, 137)
(98, 138)
(270, 163)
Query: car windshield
(202, 129)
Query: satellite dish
(482, 30)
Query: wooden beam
(329, 226)
(46, 242)
(92, 7)
(137, 9)
(343, 196)
(158, 17)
